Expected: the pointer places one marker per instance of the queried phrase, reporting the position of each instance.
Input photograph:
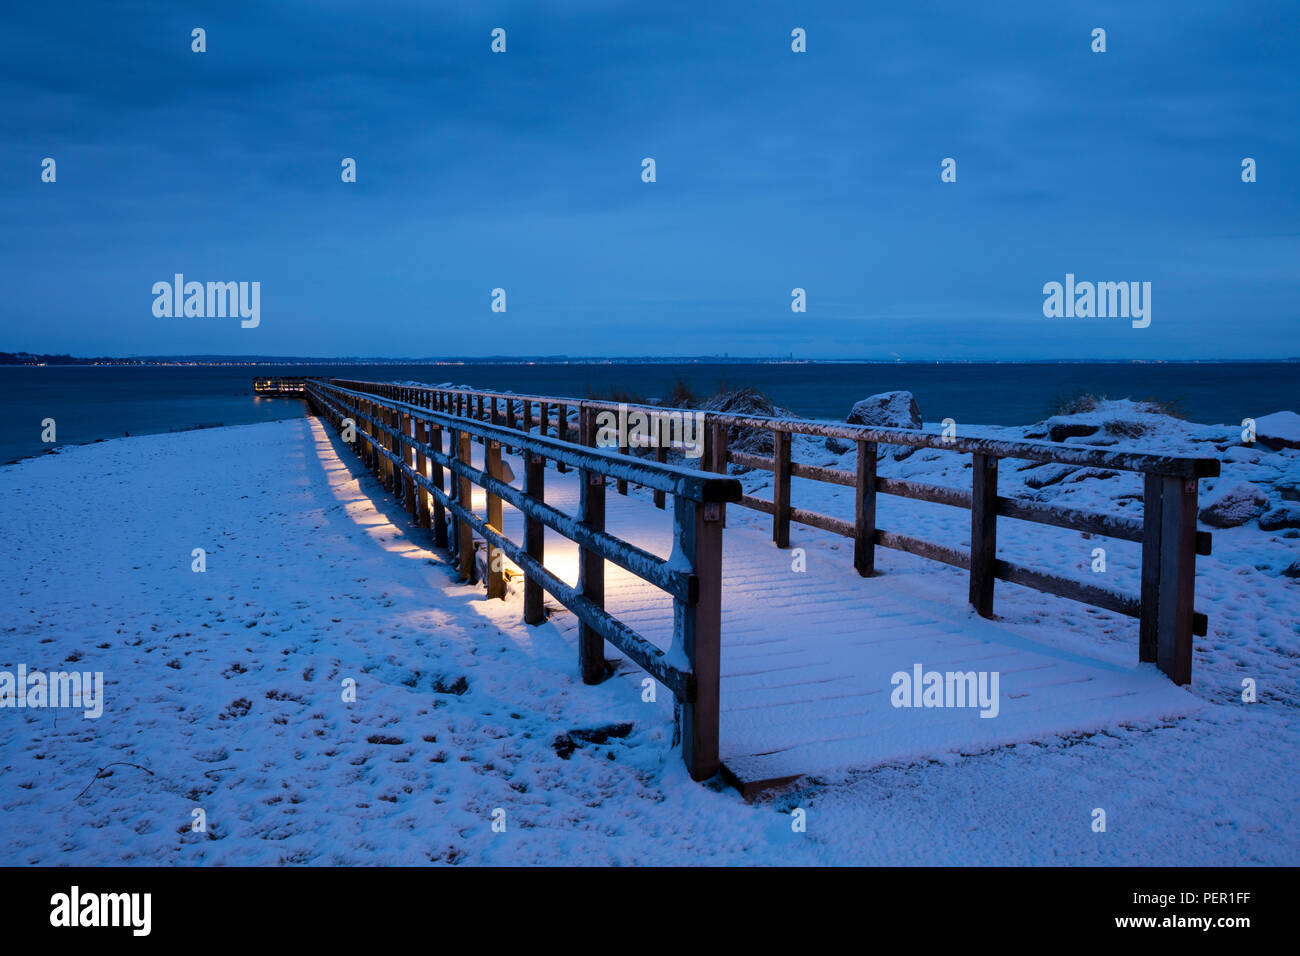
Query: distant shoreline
(290, 362)
(89, 402)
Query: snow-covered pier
(777, 673)
(279, 387)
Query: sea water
(101, 402)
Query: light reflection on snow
(561, 554)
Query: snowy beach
(223, 689)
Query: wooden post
(376, 439)
(349, 411)
(364, 427)
(381, 443)
(496, 581)
(1152, 527)
(706, 457)
(372, 456)
(591, 575)
(381, 437)
(398, 422)
(562, 431)
(781, 489)
(864, 511)
(698, 628)
(465, 498)
(363, 431)
(623, 449)
(983, 532)
(435, 469)
(422, 469)
(720, 455)
(386, 441)
(1177, 579)
(719, 462)
(534, 536)
(528, 418)
(661, 455)
(394, 445)
(511, 421)
(408, 454)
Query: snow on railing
(1167, 530)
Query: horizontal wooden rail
(1030, 450)
(1026, 449)
(1075, 519)
(1059, 585)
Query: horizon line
(560, 359)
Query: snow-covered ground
(226, 685)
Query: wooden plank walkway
(807, 658)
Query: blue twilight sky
(523, 170)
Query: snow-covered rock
(1060, 431)
(1108, 421)
(1279, 430)
(1234, 506)
(887, 410)
(1287, 516)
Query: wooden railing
(399, 434)
(1164, 604)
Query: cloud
(522, 170)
